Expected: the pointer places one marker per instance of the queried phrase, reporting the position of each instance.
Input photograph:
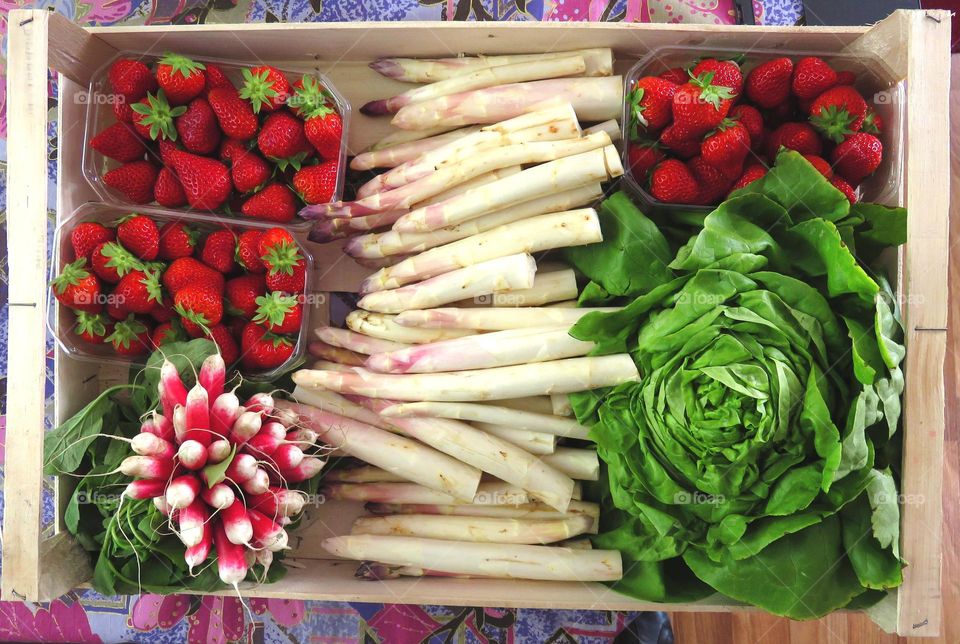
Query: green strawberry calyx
(125, 332)
(276, 340)
(312, 99)
(71, 275)
(182, 65)
(158, 115)
(282, 257)
(258, 88)
(273, 308)
(189, 314)
(710, 93)
(120, 259)
(870, 124)
(92, 324)
(833, 122)
(636, 112)
(296, 161)
(152, 283)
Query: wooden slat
(74, 51)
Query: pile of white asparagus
(449, 382)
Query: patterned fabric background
(88, 617)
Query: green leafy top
(711, 93)
(120, 259)
(180, 64)
(126, 331)
(313, 99)
(258, 88)
(71, 275)
(274, 307)
(158, 115)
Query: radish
(258, 483)
(277, 501)
(145, 489)
(147, 467)
(218, 450)
(198, 416)
(230, 557)
(219, 496)
(182, 491)
(147, 444)
(196, 555)
(171, 388)
(192, 454)
(213, 373)
(267, 533)
(263, 445)
(223, 413)
(275, 429)
(237, 524)
(308, 468)
(305, 437)
(287, 457)
(265, 559)
(260, 402)
(161, 504)
(179, 422)
(286, 417)
(192, 521)
(245, 427)
(162, 426)
(242, 468)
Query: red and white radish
(245, 427)
(147, 467)
(219, 496)
(260, 402)
(218, 450)
(198, 416)
(275, 429)
(302, 437)
(242, 468)
(278, 501)
(286, 417)
(192, 454)
(263, 445)
(307, 469)
(192, 519)
(179, 422)
(287, 457)
(162, 426)
(147, 444)
(145, 489)
(231, 563)
(223, 413)
(267, 533)
(212, 376)
(196, 555)
(182, 491)
(171, 389)
(258, 483)
(161, 504)
(237, 524)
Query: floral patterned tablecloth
(88, 617)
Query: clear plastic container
(61, 320)
(883, 93)
(100, 99)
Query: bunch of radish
(220, 470)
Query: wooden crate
(913, 46)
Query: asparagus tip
(385, 67)
(323, 232)
(375, 108)
(373, 571)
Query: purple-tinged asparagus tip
(386, 67)
(315, 211)
(324, 231)
(375, 108)
(353, 247)
(373, 571)
(377, 508)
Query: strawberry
(198, 128)
(214, 77)
(249, 172)
(119, 142)
(785, 111)
(263, 350)
(166, 333)
(133, 180)
(265, 87)
(794, 136)
(154, 117)
(308, 95)
(186, 271)
(768, 84)
(86, 236)
(242, 293)
(676, 75)
(279, 313)
(846, 78)
(92, 327)
(222, 337)
(837, 112)
(110, 261)
(671, 182)
(872, 123)
(700, 105)
(848, 191)
(712, 181)
(641, 157)
(726, 73)
(289, 279)
(165, 147)
(651, 102)
(857, 157)
(218, 250)
(131, 79)
(114, 310)
(130, 337)
(137, 292)
(233, 149)
(235, 116)
(181, 78)
(235, 326)
(726, 147)
(122, 111)
(316, 183)
(820, 164)
(681, 141)
(282, 139)
(324, 130)
(162, 311)
(78, 288)
(751, 119)
(177, 239)
(274, 202)
(205, 181)
(276, 238)
(167, 191)
(198, 307)
(811, 77)
(750, 174)
(248, 253)
(139, 235)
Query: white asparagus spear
(611, 127)
(478, 529)
(490, 560)
(572, 65)
(383, 327)
(495, 319)
(390, 156)
(333, 353)
(566, 304)
(561, 405)
(326, 365)
(526, 511)
(559, 376)
(358, 342)
(375, 264)
(483, 351)
(488, 493)
(430, 70)
(579, 464)
(533, 404)
(549, 287)
(394, 242)
(503, 273)
(594, 99)
(337, 404)
(582, 543)
(401, 137)
(416, 462)
(532, 235)
(361, 474)
(534, 442)
(539, 181)
(496, 415)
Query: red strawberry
(133, 180)
(857, 157)
(233, 149)
(131, 79)
(282, 139)
(187, 271)
(768, 84)
(248, 253)
(181, 78)
(308, 95)
(130, 337)
(139, 235)
(177, 239)
(316, 183)
(205, 181)
(751, 119)
(700, 105)
(811, 77)
(167, 191)
(242, 293)
(279, 313)
(119, 142)
(670, 182)
(122, 111)
(86, 236)
(265, 87)
(713, 182)
(651, 103)
(165, 147)
(235, 116)
(110, 261)
(846, 78)
(218, 250)
(198, 127)
(820, 164)
(676, 75)
(290, 279)
(794, 136)
(249, 172)
(641, 157)
(163, 310)
(837, 112)
(154, 117)
(274, 202)
(235, 326)
(92, 327)
(214, 77)
(726, 147)
(263, 350)
(78, 288)
(872, 123)
(750, 174)
(726, 73)
(198, 307)
(783, 112)
(848, 191)
(222, 337)
(681, 141)
(324, 129)
(166, 333)
(137, 292)
(277, 238)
